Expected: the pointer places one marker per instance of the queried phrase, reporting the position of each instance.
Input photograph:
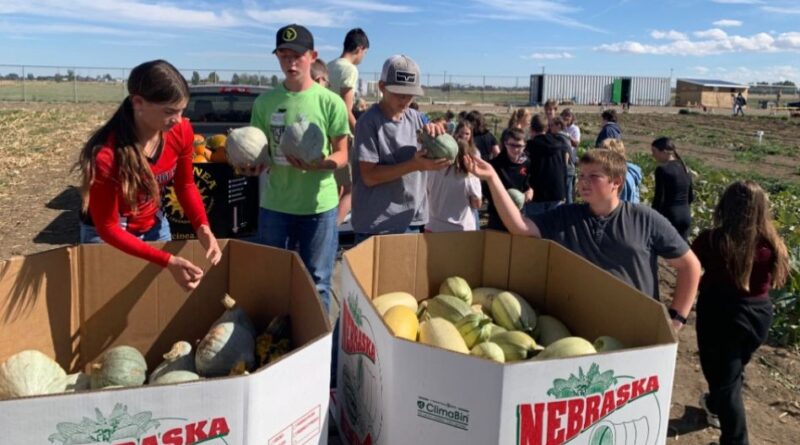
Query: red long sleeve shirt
(717, 280)
(107, 204)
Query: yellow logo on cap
(289, 34)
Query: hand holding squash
(423, 163)
(186, 274)
(209, 242)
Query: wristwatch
(673, 314)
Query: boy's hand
(434, 130)
(425, 164)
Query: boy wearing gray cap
(389, 172)
(300, 199)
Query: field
(39, 207)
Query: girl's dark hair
(742, 220)
(609, 115)
(478, 122)
(157, 82)
(665, 144)
(538, 123)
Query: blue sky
(739, 40)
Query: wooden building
(707, 93)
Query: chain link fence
(46, 83)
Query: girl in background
(452, 194)
(521, 119)
(743, 257)
(126, 164)
(463, 133)
(674, 192)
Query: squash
(179, 358)
(171, 377)
(517, 197)
(216, 141)
(442, 146)
(389, 300)
(443, 334)
(77, 382)
(403, 322)
(199, 144)
(119, 366)
(231, 339)
(247, 147)
(549, 329)
(30, 373)
(199, 159)
(303, 140)
(219, 155)
(457, 287)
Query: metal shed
(593, 89)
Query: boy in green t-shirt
(299, 199)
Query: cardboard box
(393, 391)
(231, 203)
(73, 303)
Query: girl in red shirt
(126, 164)
(743, 257)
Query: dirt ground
(39, 207)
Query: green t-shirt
(288, 189)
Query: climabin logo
(444, 413)
(362, 389)
(122, 428)
(601, 408)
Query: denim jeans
(363, 236)
(570, 186)
(535, 208)
(159, 232)
(314, 237)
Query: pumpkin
(442, 146)
(179, 358)
(230, 340)
(179, 376)
(30, 373)
(247, 147)
(119, 366)
(199, 159)
(199, 144)
(216, 141)
(303, 140)
(219, 155)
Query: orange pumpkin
(219, 155)
(199, 139)
(199, 158)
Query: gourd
(484, 296)
(179, 358)
(549, 329)
(30, 373)
(442, 146)
(474, 328)
(567, 347)
(517, 198)
(389, 300)
(448, 307)
(489, 350)
(441, 333)
(231, 339)
(199, 145)
(171, 377)
(217, 144)
(119, 366)
(457, 287)
(516, 345)
(403, 322)
(77, 382)
(605, 343)
(512, 312)
(247, 147)
(303, 140)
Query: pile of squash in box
(486, 322)
(231, 347)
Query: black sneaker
(711, 418)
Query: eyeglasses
(517, 146)
(594, 177)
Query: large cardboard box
(393, 391)
(73, 303)
(231, 203)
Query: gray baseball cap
(400, 75)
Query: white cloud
(780, 10)
(770, 74)
(549, 56)
(713, 34)
(541, 10)
(701, 69)
(324, 19)
(370, 6)
(727, 23)
(668, 35)
(709, 42)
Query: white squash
(30, 373)
(247, 147)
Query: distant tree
(108, 77)
(235, 79)
(274, 81)
(70, 75)
(58, 77)
(195, 78)
(786, 83)
(213, 77)
(30, 76)
(12, 76)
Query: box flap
(36, 299)
(593, 302)
(443, 255)
(527, 270)
(496, 259)
(360, 260)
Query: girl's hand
(209, 242)
(186, 274)
(479, 167)
(425, 164)
(529, 195)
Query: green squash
(517, 197)
(442, 146)
(171, 377)
(77, 382)
(30, 373)
(179, 358)
(119, 366)
(230, 340)
(303, 140)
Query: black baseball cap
(294, 37)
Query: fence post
(74, 85)
(483, 90)
(24, 96)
